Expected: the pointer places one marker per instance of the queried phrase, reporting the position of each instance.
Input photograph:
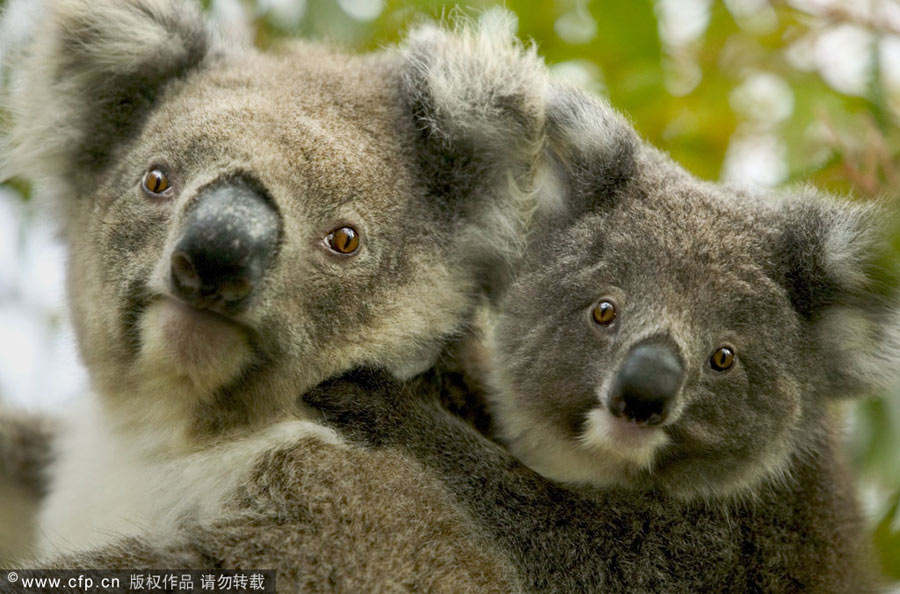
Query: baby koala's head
(673, 334)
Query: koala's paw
(365, 405)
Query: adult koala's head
(243, 225)
(673, 334)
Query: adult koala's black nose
(647, 383)
(229, 242)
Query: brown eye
(156, 181)
(344, 240)
(604, 313)
(722, 359)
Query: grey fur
(107, 89)
(744, 489)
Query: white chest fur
(106, 485)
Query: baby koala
(668, 356)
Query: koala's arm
(517, 507)
(26, 449)
(25, 453)
(328, 518)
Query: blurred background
(754, 91)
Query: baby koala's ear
(86, 72)
(831, 259)
(477, 96)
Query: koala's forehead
(696, 245)
(306, 117)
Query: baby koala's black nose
(646, 385)
(229, 241)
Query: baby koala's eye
(344, 240)
(156, 181)
(604, 313)
(722, 359)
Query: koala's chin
(190, 350)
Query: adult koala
(242, 226)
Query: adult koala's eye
(156, 181)
(344, 240)
(604, 313)
(722, 359)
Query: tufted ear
(83, 78)
(477, 97)
(829, 258)
(595, 150)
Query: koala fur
(327, 517)
(426, 152)
(741, 486)
(25, 451)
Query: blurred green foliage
(684, 96)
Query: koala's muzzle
(647, 383)
(230, 238)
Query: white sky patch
(756, 16)
(233, 17)
(581, 73)
(682, 73)
(362, 10)
(823, 6)
(23, 344)
(763, 98)
(576, 26)
(284, 13)
(10, 223)
(843, 55)
(888, 12)
(43, 257)
(755, 158)
(889, 56)
(69, 378)
(801, 54)
(39, 366)
(682, 21)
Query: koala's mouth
(184, 322)
(627, 441)
(178, 340)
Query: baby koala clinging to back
(670, 351)
(684, 336)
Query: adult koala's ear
(478, 99)
(830, 258)
(86, 73)
(594, 148)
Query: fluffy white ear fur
(476, 87)
(67, 61)
(479, 83)
(865, 336)
(857, 322)
(585, 124)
